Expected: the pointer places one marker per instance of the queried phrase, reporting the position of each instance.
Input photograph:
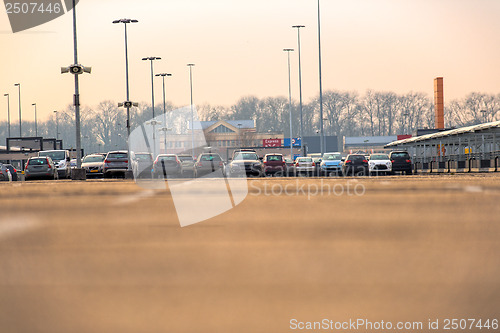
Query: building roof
(443, 134)
(244, 124)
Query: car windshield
(186, 158)
(143, 157)
(54, 155)
(117, 155)
(332, 157)
(38, 161)
(379, 157)
(246, 157)
(275, 158)
(93, 159)
(210, 158)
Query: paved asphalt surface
(109, 256)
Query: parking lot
(110, 256)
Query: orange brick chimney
(439, 102)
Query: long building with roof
(475, 147)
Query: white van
(61, 159)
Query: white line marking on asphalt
(14, 226)
(473, 189)
(125, 200)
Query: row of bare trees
(344, 114)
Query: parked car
(401, 161)
(61, 159)
(245, 162)
(167, 165)
(355, 164)
(208, 163)
(331, 164)
(40, 167)
(187, 164)
(379, 163)
(274, 164)
(5, 174)
(93, 165)
(142, 164)
(304, 165)
(116, 164)
(13, 171)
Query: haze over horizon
(387, 45)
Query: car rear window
(166, 158)
(38, 161)
(400, 155)
(117, 155)
(210, 158)
(356, 158)
(275, 158)
(143, 157)
(185, 158)
(304, 159)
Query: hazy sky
(386, 45)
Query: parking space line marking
(14, 226)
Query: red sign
(271, 143)
(404, 136)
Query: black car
(401, 161)
(355, 164)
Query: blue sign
(296, 142)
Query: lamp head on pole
(125, 20)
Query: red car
(274, 164)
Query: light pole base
(129, 174)
(78, 174)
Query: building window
(222, 129)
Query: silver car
(40, 167)
(5, 173)
(187, 164)
(304, 165)
(93, 165)
(116, 164)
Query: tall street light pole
(192, 108)
(322, 134)
(163, 75)
(300, 91)
(20, 121)
(36, 126)
(290, 101)
(127, 103)
(8, 111)
(151, 59)
(76, 69)
(57, 125)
